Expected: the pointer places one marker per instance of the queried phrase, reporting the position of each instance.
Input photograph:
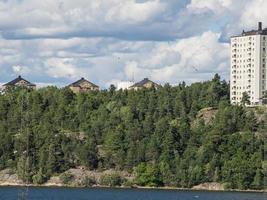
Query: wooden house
(83, 85)
(145, 83)
(19, 82)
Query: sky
(107, 41)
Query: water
(11, 193)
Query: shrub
(88, 181)
(39, 178)
(66, 177)
(111, 180)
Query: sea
(35, 193)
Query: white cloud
(218, 6)
(232, 15)
(54, 18)
(198, 58)
(61, 68)
(57, 41)
(104, 61)
(253, 12)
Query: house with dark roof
(19, 82)
(83, 85)
(145, 83)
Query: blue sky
(57, 42)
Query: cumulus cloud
(57, 41)
(232, 15)
(196, 58)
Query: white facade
(248, 66)
(124, 85)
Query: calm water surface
(11, 193)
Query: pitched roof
(143, 82)
(18, 79)
(77, 83)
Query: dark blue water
(11, 193)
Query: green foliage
(148, 175)
(245, 99)
(39, 178)
(88, 181)
(111, 180)
(66, 178)
(156, 134)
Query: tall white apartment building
(248, 65)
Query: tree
(158, 134)
(264, 97)
(245, 99)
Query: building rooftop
(259, 31)
(18, 79)
(77, 83)
(142, 83)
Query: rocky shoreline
(10, 179)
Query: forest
(156, 134)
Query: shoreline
(125, 187)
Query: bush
(148, 175)
(227, 186)
(111, 180)
(128, 183)
(39, 178)
(88, 181)
(66, 177)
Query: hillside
(174, 136)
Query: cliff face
(9, 177)
(76, 177)
(207, 114)
(209, 186)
